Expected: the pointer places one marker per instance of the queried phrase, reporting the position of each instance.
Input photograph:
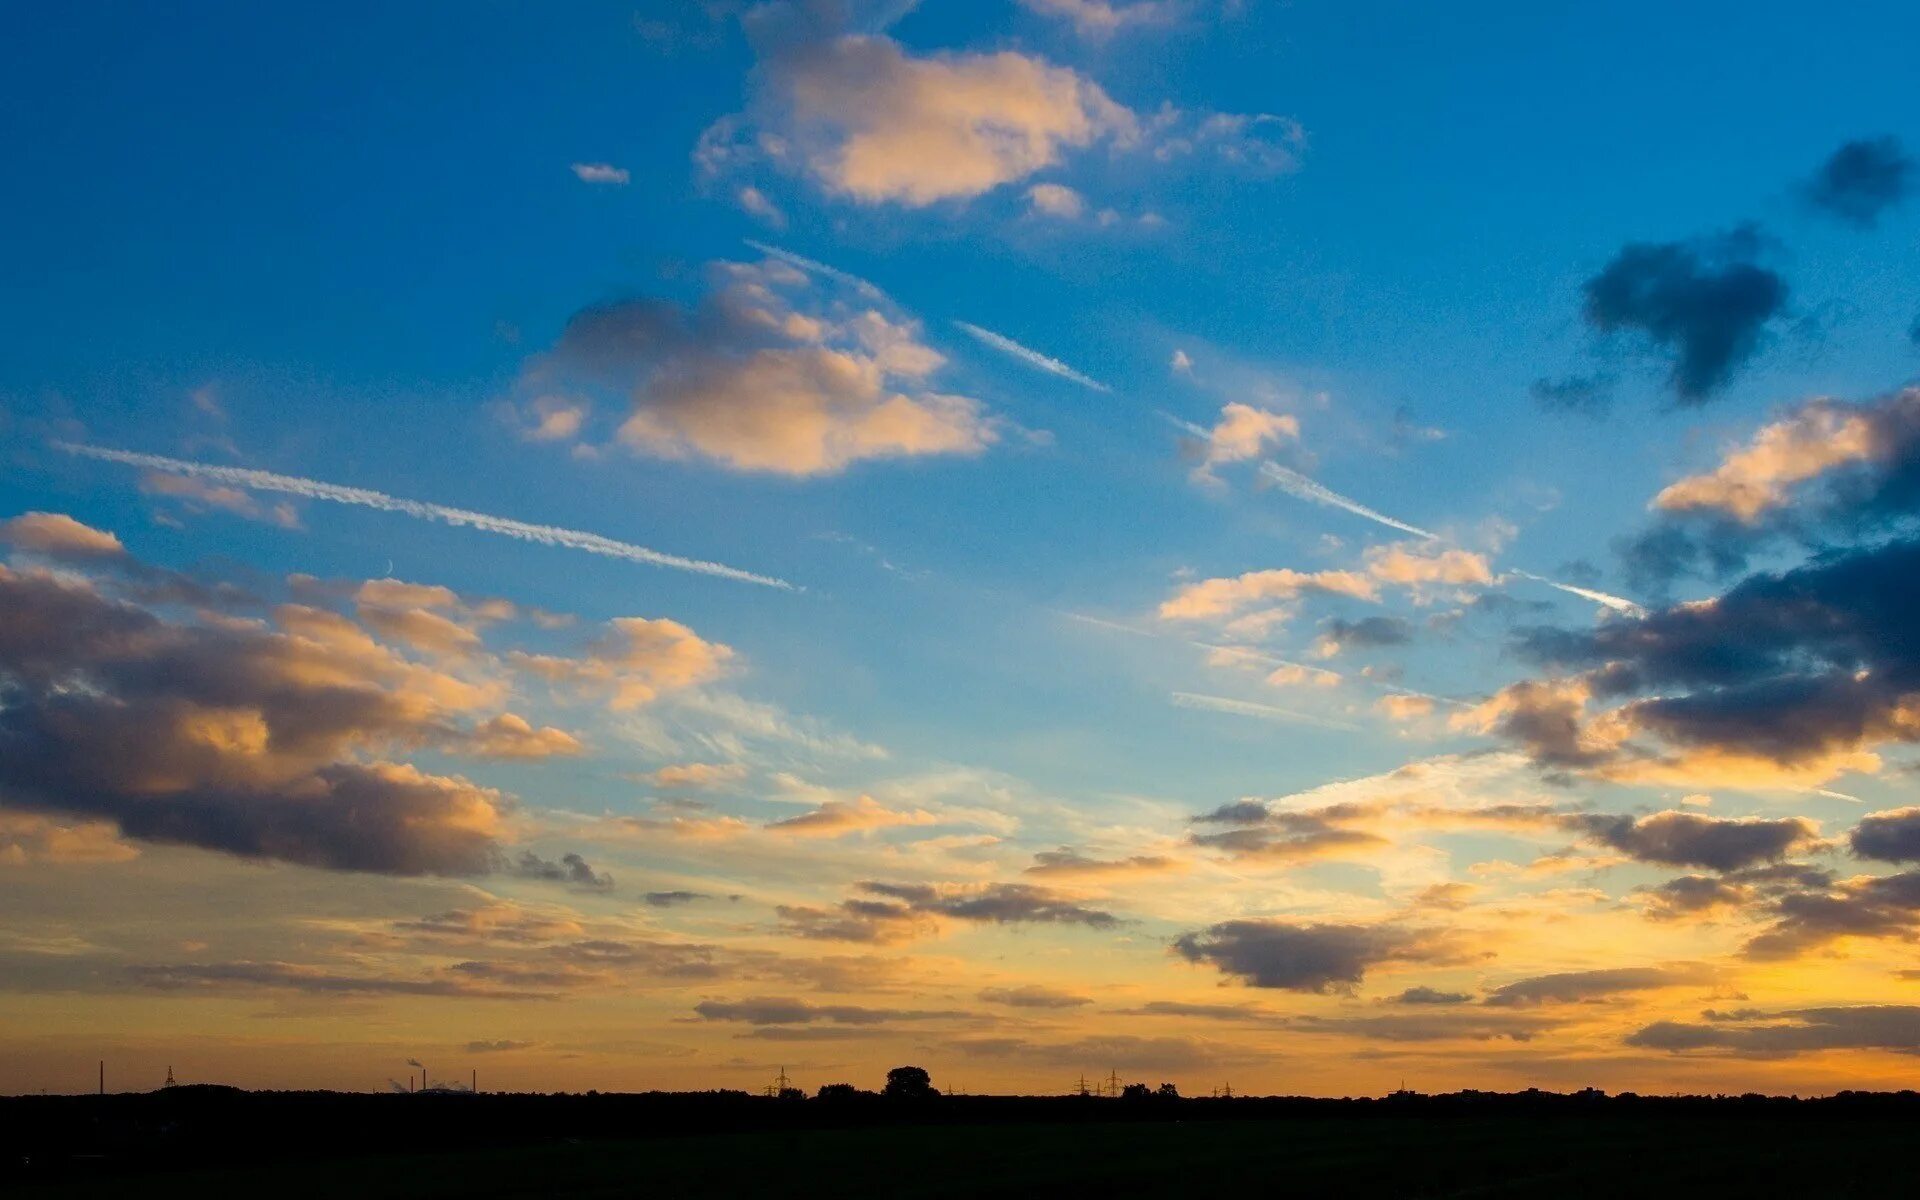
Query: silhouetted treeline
(49, 1137)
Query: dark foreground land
(225, 1143)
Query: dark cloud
(1585, 395)
(997, 903)
(1788, 668)
(1886, 906)
(1367, 632)
(671, 899)
(498, 1046)
(571, 869)
(1033, 996)
(1209, 1012)
(765, 1010)
(1861, 180)
(1892, 836)
(1427, 995)
(1826, 470)
(1794, 1031)
(1240, 812)
(295, 977)
(1683, 839)
(232, 736)
(1572, 987)
(1429, 1027)
(1299, 957)
(1703, 304)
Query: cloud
(1299, 957)
(1427, 995)
(1103, 18)
(570, 869)
(1369, 633)
(1618, 604)
(673, 899)
(872, 123)
(1357, 821)
(1759, 477)
(1704, 304)
(57, 535)
(1787, 678)
(27, 838)
(766, 1010)
(1684, 839)
(1299, 486)
(1243, 432)
(244, 976)
(1783, 1034)
(1068, 864)
(764, 375)
(1225, 596)
(198, 495)
(1574, 987)
(698, 776)
(1032, 358)
(995, 903)
(635, 662)
(600, 172)
(1056, 200)
(1814, 916)
(510, 735)
(837, 818)
(1033, 996)
(498, 1046)
(549, 535)
(1861, 180)
(1891, 836)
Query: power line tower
(1113, 1083)
(1082, 1090)
(169, 1083)
(780, 1084)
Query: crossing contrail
(1032, 358)
(313, 489)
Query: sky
(1303, 545)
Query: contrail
(312, 489)
(1247, 708)
(1296, 484)
(1032, 358)
(1618, 604)
(817, 267)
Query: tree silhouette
(838, 1092)
(909, 1083)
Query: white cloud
(601, 173)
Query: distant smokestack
(103, 1077)
(474, 1086)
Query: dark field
(310, 1146)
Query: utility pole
(103, 1077)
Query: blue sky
(368, 246)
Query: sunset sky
(1307, 545)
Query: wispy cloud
(1032, 358)
(1247, 708)
(814, 266)
(1298, 485)
(601, 173)
(312, 489)
(1617, 603)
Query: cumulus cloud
(891, 912)
(1790, 677)
(765, 375)
(57, 535)
(1069, 864)
(1703, 304)
(1243, 432)
(1861, 180)
(1684, 839)
(1301, 957)
(873, 123)
(1891, 836)
(636, 661)
(1759, 477)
